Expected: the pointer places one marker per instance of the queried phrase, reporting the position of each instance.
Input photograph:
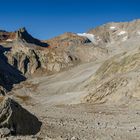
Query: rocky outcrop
(30, 60)
(23, 35)
(67, 39)
(20, 35)
(2, 91)
(7, 36)
(116, 80)
(16, 120)
(77, 47)
(8, 74)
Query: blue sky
(48, 18)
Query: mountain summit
(23, 35)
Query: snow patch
(9, 40)
(91, 37)
(121, 33)
(98, 38)
(138, 32)
(125, 38)
(112, 28)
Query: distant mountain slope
(31, 56)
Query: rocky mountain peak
(23, 29)
(22, 34)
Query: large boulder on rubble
(16, 120)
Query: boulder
(16, 120)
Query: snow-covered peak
(91, 37)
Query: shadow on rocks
(18, 120)
(9, 75)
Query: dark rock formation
(8, 74)
(16, 119)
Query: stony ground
(56, 102)
(87, 122)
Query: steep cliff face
(30, 60)
(8, 74)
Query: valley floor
(56, 101)
(92, 122)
